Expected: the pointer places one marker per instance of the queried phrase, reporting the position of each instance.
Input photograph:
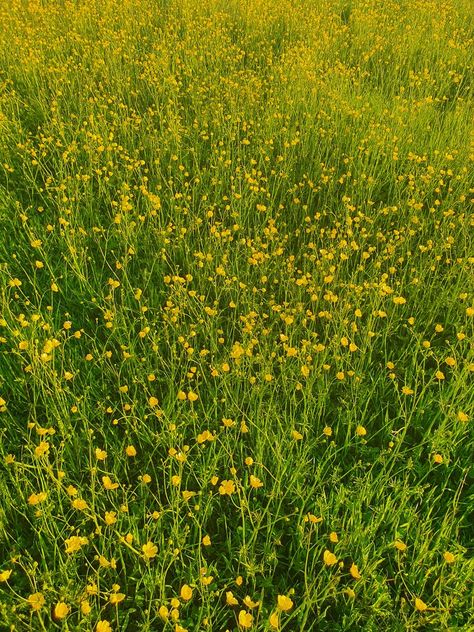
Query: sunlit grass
(236, 315)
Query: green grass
(236, 278)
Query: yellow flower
(61, 610)
(245, 619)
(437, 458)
(186, 592)
(400, 545)
(100, 455)
(5, 576)
(74, 543)
(130, 450)
(463, 416)
(354, 571)
(206, 541)
(297, 436)
(329, 558)
(86, 608)
(333, 537)
(230, 599)
(327, 431)
(227, 487)
(35, 499)
(108, 484)
(80, 504)
(406, 390)
(41, 449)
(449, 558)
(110, 517)
(250, 603)
(439, 375)
(274, 620)
(361, 431)
(153, 401)
(149, 550)
(116, 598)
(255, 482)
(103, 626)
(284, 603)
(163, 612)
(36, 601)
(192, 396)
(420, 605)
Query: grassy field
(236, 315)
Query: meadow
(236, 315)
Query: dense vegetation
(236, 315)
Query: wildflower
(463, 416)
(186, 592)
(130, 450)
(110, 517)
(329, 558)
(35, 499)
(36, 601)
(192, 396)
(163, 612)
(439, 375)
(80, 504)
(437, 458)
(153, 401)
(206, 541)
(100, 455)
(255, 482)
(103, 626)
(5, 575)
(41, 449)
(361, 431)
(227, 488)
(74, 543)
(406, 390)
(449, 558)
(116, 597)
(274, 621)
(108, 484)
(400, 545)
(230, 599)
(245, 619)
(250, 603)
(333, 537)
(327, 431)
(61, 610)
(420, 605)
(354, 571)
(86, 608)
(149, 550)
(297, 436)
(284, 603)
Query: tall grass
(236, 315)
